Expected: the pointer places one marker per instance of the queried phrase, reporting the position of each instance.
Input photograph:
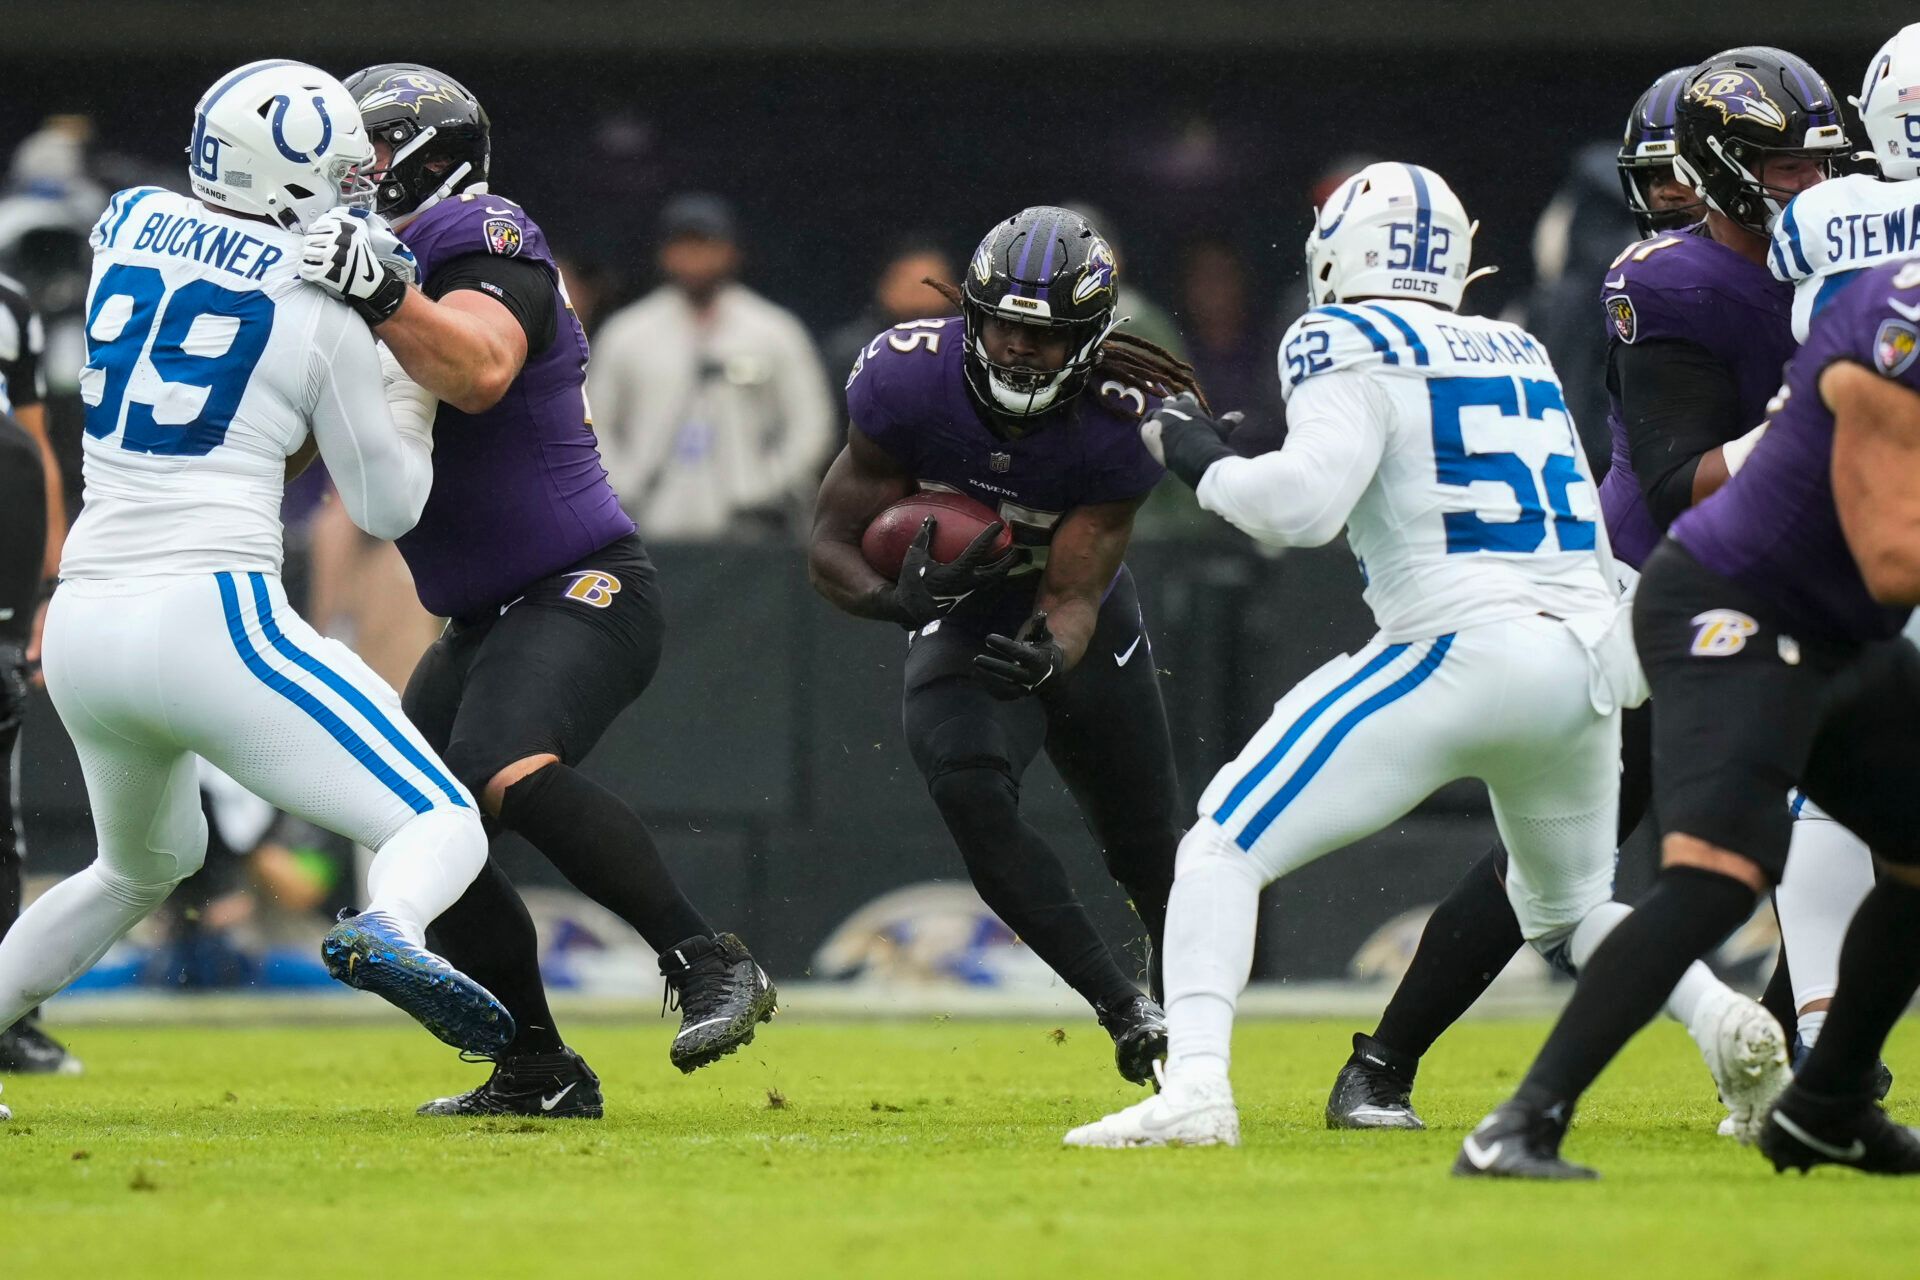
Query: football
(958, 520)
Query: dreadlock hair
(1124, 356)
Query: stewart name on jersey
(1774, 528)
(1685, 286)
(1835, 229)
(908, 394)
(518, 491)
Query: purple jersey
(1774, 528)
(1686, 286)
(518, 490)
(908, 394)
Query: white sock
(1694, 985)
(1211, 919)
(1829, 872)
(424, 867)
(66, 931)
(1809, 1024)
(1593, 930)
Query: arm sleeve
(1301, 494)
(523, 287)
(1677, 402)
(383, 473)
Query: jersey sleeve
(116, 214)
(459, 226)
(1332, 338)
(524, 287)
(382, 472)
(882, 386)
(1886, 335)
(1302, 494)
(1119, 468)
(1793, 256)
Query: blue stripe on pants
(1345, 725)
(1300, 726)
(347, 690)
(321, 713)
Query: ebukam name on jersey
(1497, 347)
(207, 243)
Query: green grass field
(914, 1149)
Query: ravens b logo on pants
(594, 588)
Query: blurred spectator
(1233, 356)
(713, 413)
(898, 296)
(1140, 315)
(1578, 235)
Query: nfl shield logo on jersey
(1000, 463)
(1721, 633)
(503, 236)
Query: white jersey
(1838, 227)
(208, 362)
(1443, 444)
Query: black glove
(927, 589)
(1031, 662)
(1185, 438)
(343, 254)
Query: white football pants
(147, 674)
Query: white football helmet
(280, 139)
(1392, 230)
(1889, 105)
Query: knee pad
(967, 743)
(175, 848)
(976, 797)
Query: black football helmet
(439, 133)
(1048, 267)
(1648, 148)
(1742, 107)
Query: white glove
(342, 253)
(412, 405)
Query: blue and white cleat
(369, 952)
(5, 1112)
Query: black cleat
(1374, 1090)
(26, 1050)
(1806, 1129)
(543, 1085)
(1882, 1073)
(1139, 1031)
(1519, 1141)
(723, 995)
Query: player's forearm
(1276, 499)
(450, 353)
(839, 572)
(1071, 619)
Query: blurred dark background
(769, 751)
